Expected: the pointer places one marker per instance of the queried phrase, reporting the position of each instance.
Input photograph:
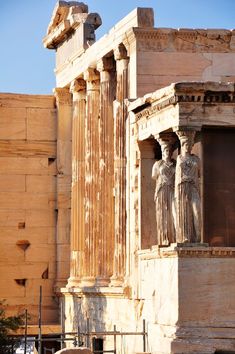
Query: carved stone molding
(88, 291)
(188, 40)
(197, 93)
(187, 251)
(197, 251)
(63, 96)
(150, 110)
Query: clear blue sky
(26, 67)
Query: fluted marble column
(64, 131)
(92, 195)
(120, 115)
(78, 89)
(106, 68)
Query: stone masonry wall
(28, 204)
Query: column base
(73, 282)
(117, 281)
(94, 282)
(59, 285)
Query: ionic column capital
(92, 77)
(105, 64)
(63, 96)
(78, 89)
(77, 85)
(120, 52)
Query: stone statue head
(166, 141)
(166, 149)
(186, 138)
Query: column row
(98, 224)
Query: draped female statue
(187, 196)
(164, 173)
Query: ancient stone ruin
(121, 199)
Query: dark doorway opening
(98, 345)
(219, 186)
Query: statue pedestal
(191, 296)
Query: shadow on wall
(89, 315)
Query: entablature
(184, 105)
(184, 39)
(74, 65)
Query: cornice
(187, 40)
(207, 93)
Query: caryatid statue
(187, 191)
(163, 172)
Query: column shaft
(106, 215)
(120, 165)
(64, 131)
(92, 196)
(78, 183)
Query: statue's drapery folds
(177, 193)
(164, 173)
(187, 194)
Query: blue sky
(26, 67)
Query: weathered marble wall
(169, 55)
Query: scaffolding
(87, 338)
(80, 339)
